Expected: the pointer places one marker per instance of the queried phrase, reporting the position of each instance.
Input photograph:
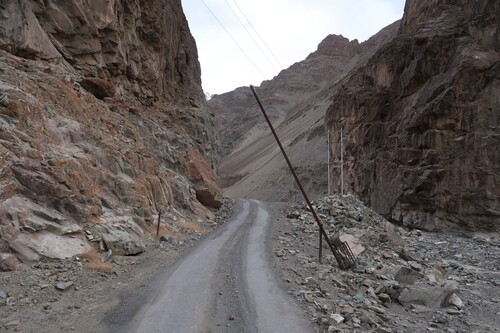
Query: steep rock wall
(421, 119)
(102, 124)
(143, 47)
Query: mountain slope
(296, 100)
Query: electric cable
(234, 40)
(258, 35)
(251, 36)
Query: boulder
(434, 297)
(49, 245)
(62, 286)
(9, 262)
(353, 242)
(202, 175)
(122, 242)
(407, 276)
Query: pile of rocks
(403, 280)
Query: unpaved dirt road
(225, 284)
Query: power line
(234, 40)
(251, 36)
(258, 35)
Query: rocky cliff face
(421, 118)
(102, 124)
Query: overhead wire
(249, 34)
(233, 39)
(258, 35)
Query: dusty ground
(32, 301)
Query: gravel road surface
(225, 284)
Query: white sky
(291, 28)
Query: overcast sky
(290, 28)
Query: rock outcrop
(144, 47)
(421, 119)
(102, 124)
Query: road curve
(224, 284)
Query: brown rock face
(143, 47)
(421, 118)
(97, 126)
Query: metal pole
(341, 164)
(329, 193)
(343, 263)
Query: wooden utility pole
(340, 250)
(329, 192)
(341, 163)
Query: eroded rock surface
(421, 119)
(102, 122)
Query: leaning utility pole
(340, 250)
(341, 163)
(329, 192)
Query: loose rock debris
(404, 281)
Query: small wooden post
(158, 226)
(320, 247)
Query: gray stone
(63, 285)
(105, 256)
(436, 275)
(407, 276)
(453, 311)
(166, 239)
(337, 318)
(377, 309)
(12, 323)
(293, 215)
(3, 294)
(416, 266)
(428, 296)
(383, 330)
(384, 297)
(122, 242)
(456, 301)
